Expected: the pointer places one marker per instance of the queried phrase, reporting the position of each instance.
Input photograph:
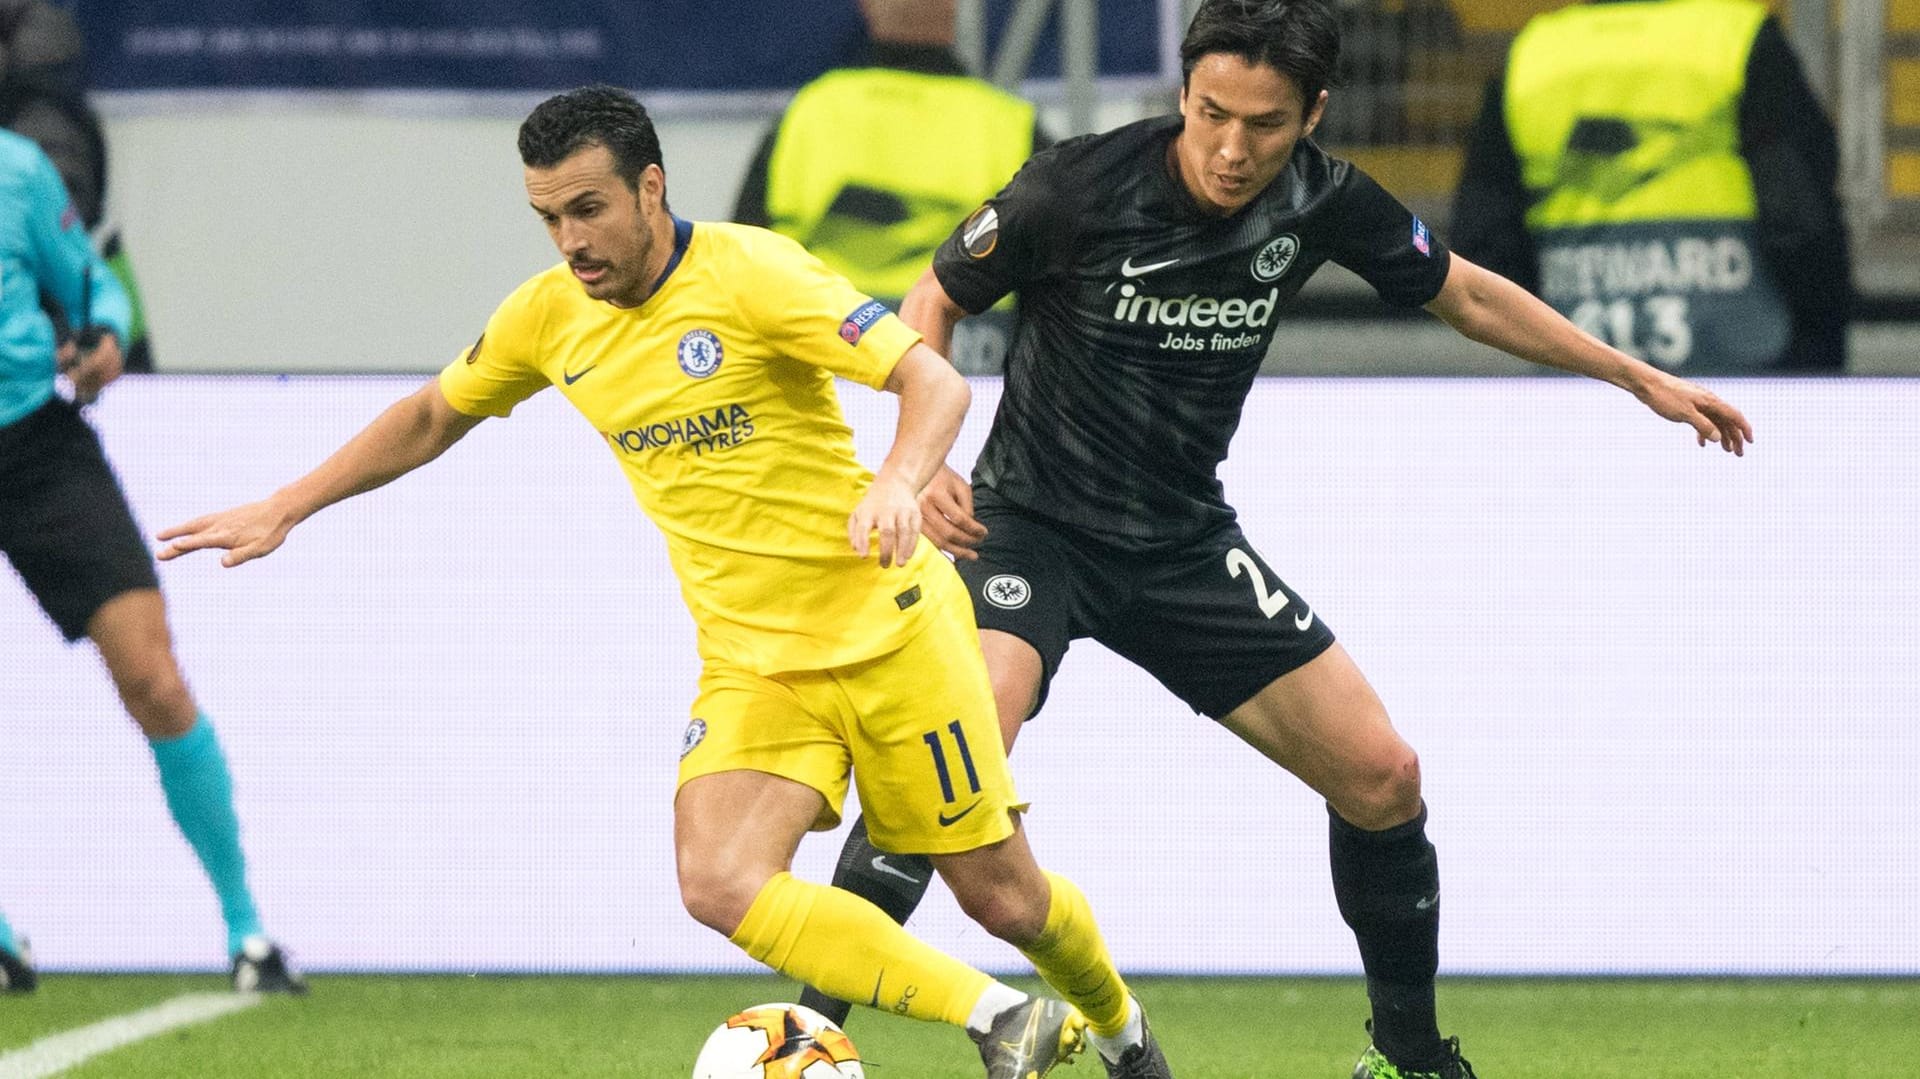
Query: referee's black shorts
(1211, 621)
(64, 522)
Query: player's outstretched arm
(413, 431)
(1494, 311)
(933, 401)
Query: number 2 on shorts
(1271, 603)
(932, 738)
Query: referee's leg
(131, 633)
(1324, 723)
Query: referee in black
(1151, 263)
(67, 531)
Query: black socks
(1388, 887)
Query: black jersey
(1143, 319)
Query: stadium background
(1664, 699)
(333, 186)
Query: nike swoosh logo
(1023, 1049)
(880, 863)
(1128, 269)
(1427, 902)
(1301, 622)
(948, 822)
(875, 1002)
(571, 378)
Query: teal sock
(193, 772)
(7, 943)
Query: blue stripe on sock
(199, 789)
(7, 943)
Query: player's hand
(1712, 419)
(891, 509)
(244, 532)
(90, 361)
(946, 515)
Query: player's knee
(1011, 913)
(156, 696)
(718, 899)
(1384, 792)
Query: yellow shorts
(917, 726)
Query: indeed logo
(1195, 310)
(720, 429)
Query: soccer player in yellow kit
(830, 635)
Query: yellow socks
(1073, 958)
(846, 947)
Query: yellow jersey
(716, 396)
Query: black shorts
(1212, 621)
(64, 522)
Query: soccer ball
(778, 1041)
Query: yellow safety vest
(1624, 118)
(873, 167)
(1654, 88)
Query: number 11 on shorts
(936, 745)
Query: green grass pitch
(1213, 1028)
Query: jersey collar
(682, 235)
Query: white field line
(56, 1053)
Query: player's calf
(1001, 888)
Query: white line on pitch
(56, 1053)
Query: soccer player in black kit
(1151, 263)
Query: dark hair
(1298, 38)
(600, 115)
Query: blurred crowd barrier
(373, 227)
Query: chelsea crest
(699, 353)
